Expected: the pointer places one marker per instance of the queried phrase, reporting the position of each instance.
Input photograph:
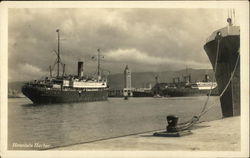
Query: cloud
(133, 55)
(147, 39)
(32, 69)
(141, 58)
(26, 72)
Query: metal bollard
(172, 121)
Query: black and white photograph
(146, 78)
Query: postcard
(125, 79)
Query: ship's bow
(222, 48)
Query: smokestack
(206, 78)
(63, 69)
(149, 86)
(50, 71)
(156, 79)
(80, 69)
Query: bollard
(173, 129)
(172, 121)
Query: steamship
(188, 88)
(223, 51)
(67, 88)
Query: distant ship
(188, 88)
(64, 89)
(142, 93)
(223, 50)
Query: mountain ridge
(142, 79)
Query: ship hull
(45, 96)
(227, 62)
(184, 92)
(142, 94)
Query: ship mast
(231, 17)
(98, 63)
(58, 52)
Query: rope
(232, 74)
(229, 81)
(215, 70)
(97, 140)
(195, 119)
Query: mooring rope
(228, 83)
(225, 88)
(97, 140)
(205, 109)
(195, 119)
(215, 70)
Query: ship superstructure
(185, 87)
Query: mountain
(15, 86)
(14, 89)
(142, 79)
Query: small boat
(157, 96)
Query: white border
(244, 23)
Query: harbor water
(35, 127)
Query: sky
(145, 39)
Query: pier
(218, 135)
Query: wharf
(218, 135)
